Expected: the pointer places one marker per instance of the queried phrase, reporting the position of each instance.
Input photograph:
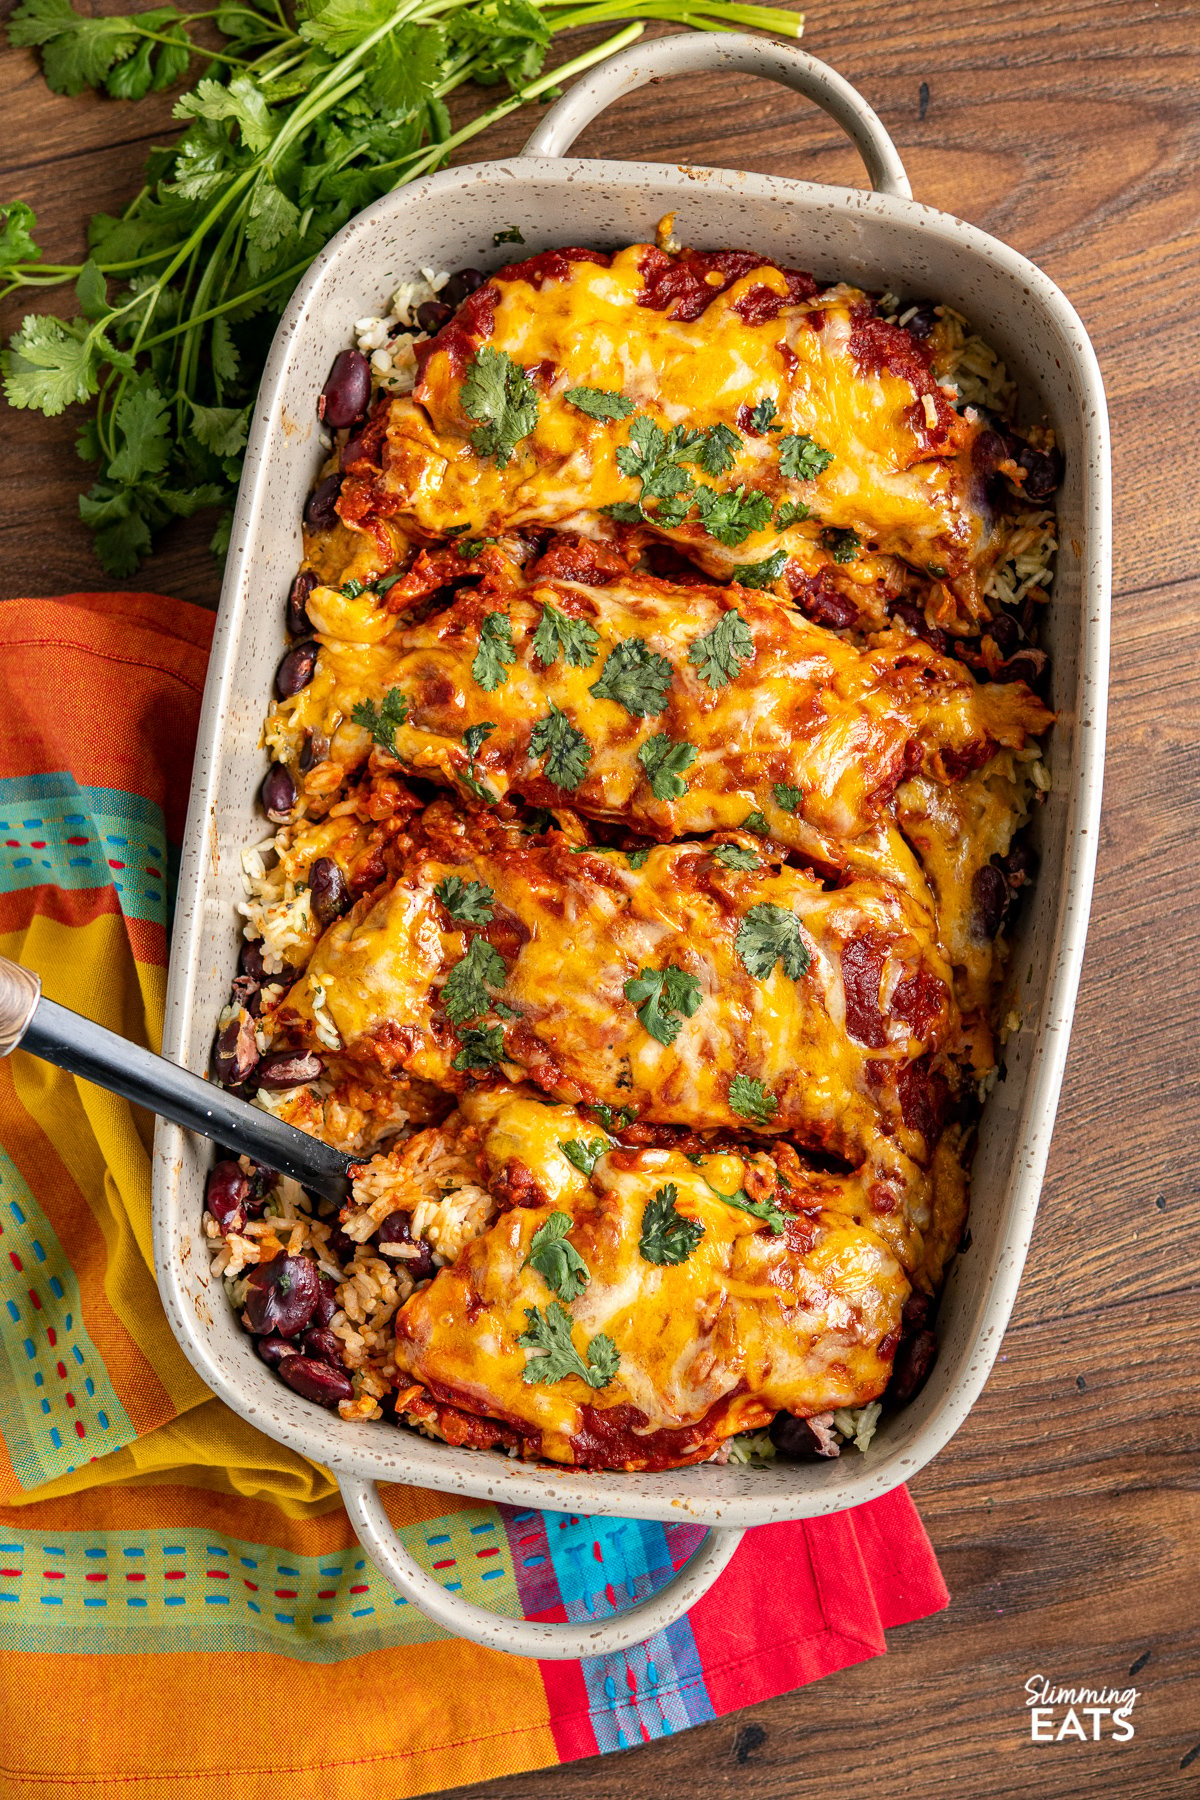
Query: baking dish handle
(529, 1637)
(698, 52)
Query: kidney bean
(274, 1349)
(322, 1345)
(327, 890)
(314, 748)
(433, 315)
(296, 670)
(916, 621)
(460, 284)
(247, 994)
(1020, 865)
(1043, 471)
(913, 1366)
(342, 1249)
(298, 621)
(226, 1193)
(281, 1295)
(236, 1054)
(278, 794)
(288, 1068)
(250, 961)
(346, 393)
(917, 1312)
(316, 1380)
(397, 1230)
(327, 1303)
(1005, 632)
(1027, 665)
(989, 902)
(320, 510)
(798, 1440)
(923, 320)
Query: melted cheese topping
(902, 486)
(750, 1323)
(834, 1047)
(808, 711)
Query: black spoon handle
(74, 1043)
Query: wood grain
(1066, 1511)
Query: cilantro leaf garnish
(384, 720)
(801, 458)
(511, 235)
(636, 677)
(843, 546)
(790, 512)
(666, 1236)
(498, 392)
(470, 902)
(720, 653)
(735, 856)
(771, 934)
(664, 761)
(635, 858)
(558, 1263)
(557, 631)
(762, 574)
(756, 823)
(772, 1215)
(718, 452)
(731, 516)
(352, 588)
(482, 1048)
(599, 403)
(764, 416)
(584, 1153)
(664, 998)
(540, 820)
(495, 654)
(469, 548)
(473, 740)
(653, 457)
(751, 1100)
(549, 1334)
(465, 990)
(567, 751)
(788, 799)
(613, 1120)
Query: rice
(389, 342)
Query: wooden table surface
(1065, 1512)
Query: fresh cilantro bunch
(295, 122)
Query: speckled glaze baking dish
(882, 239)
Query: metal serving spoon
(74, 1043)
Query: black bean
(236, 1053)
(320, 511)
(316, 1380)
(914, 1364)
(278, 794)
(989, 903)
(397, 1230)
(460, 284)
(923, 319)
(346, 393)
(327, 1303)
(274, 1349)
(281, 1295)
(433, 315)
(327, 890)
(796, 1439)
(298, 621)
(296, 670)
(322, 1345)
(226, 1193)
(288, 1068)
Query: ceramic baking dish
(881, 239)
